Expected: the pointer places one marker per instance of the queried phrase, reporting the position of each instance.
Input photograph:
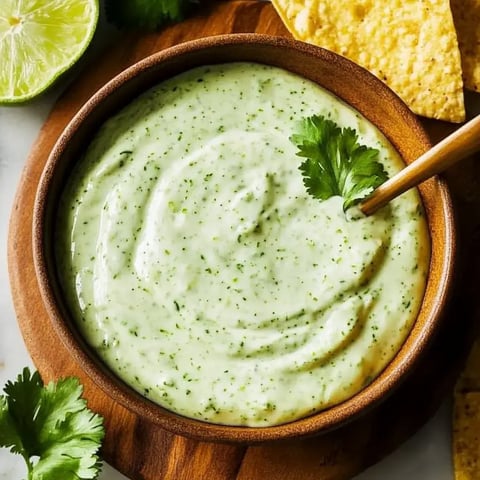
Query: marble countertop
(426, 456)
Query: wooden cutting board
(143, 451)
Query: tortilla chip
(466, 15)
(470, 378)
(466, 436)
(466, 419)
(409, 44)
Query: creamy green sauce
(205, 276)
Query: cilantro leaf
(336, 164)
(51, 427)
(146, 14)
(8, 434)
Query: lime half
(39, 40)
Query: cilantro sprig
(146, 14)
(336, 164)
(51, 428)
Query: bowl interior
(346, 80)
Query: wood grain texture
(143, 451)
(456, 147)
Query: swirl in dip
(201, 271)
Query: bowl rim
(112, 386)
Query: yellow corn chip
(466, 15)
(466, 436)
(409, 44)
(466, 419)
(470, 378)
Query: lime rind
(40, 40)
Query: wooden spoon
(460, 144)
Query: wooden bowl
(346, 80)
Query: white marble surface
(426, 456)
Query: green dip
(200, 270)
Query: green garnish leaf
(146, 14)
(336, 164)
(51, 427)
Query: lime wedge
(39, 40)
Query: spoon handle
(460, 144)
